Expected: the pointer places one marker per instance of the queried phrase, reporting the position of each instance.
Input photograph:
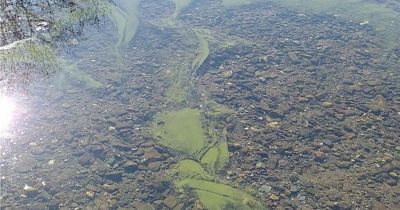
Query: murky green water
(184, 104)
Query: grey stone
(265, 189)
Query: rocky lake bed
(259, 105)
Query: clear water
(256, 104)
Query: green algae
(31, 51)
(180, 5)
(192, 169)
(203, 52)
(215, 195)
(85, 12)
(125, 16)
(216, 157)
(74, 73)
(181, 130)
(236, 3)
(223, 155)
(210, 158)
(198, 135)
(176, 92)
(217, 110)
(384, 20)
(28, 51)
(178, 83)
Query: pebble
(151, 154)
(84, 159)
(227, 74)
(393, 174)
(327, 142)
(294, 189)
(25, 164)
(265, 188)
(260, 165)
(90, 194)
(293, 57)
(319, 156)
(332, 138)
(327, 104)
(154, 166)
(301, 198)
(28, 188)
(273, 124)
(234, 146)
(114, 176)
(274, 197)
(339, 117)
(273, 162)
(130, 166)
(110, 188)
(170, 201)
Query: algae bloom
(183, 131)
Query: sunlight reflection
(7, 107)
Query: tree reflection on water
(37, 25)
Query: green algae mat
(181, 5)
(195, 134)
(184, 131)
(181, 130)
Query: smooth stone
(227, 74)
(339, 117)
(293, 57)
(260, 165)
(114, 176)
(154, 166)
(274, 197)
(327, 142)
(170, 201)
(25, 164)
(265, 188)
(393, 175)
(130, 166)
(84, 159)
(294, 189)
(152, 154)
(120, 145)
(327, 104)
(272, 162)
(319, 156)
(273, 125)
(332, 138)
(379, 105)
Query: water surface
(187, 104)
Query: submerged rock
(170, 201)
(227, 73)
(115, 176)
(379, 105)
(25, 164)
(293, 57)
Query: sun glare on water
(7, 108)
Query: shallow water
(200, 104)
